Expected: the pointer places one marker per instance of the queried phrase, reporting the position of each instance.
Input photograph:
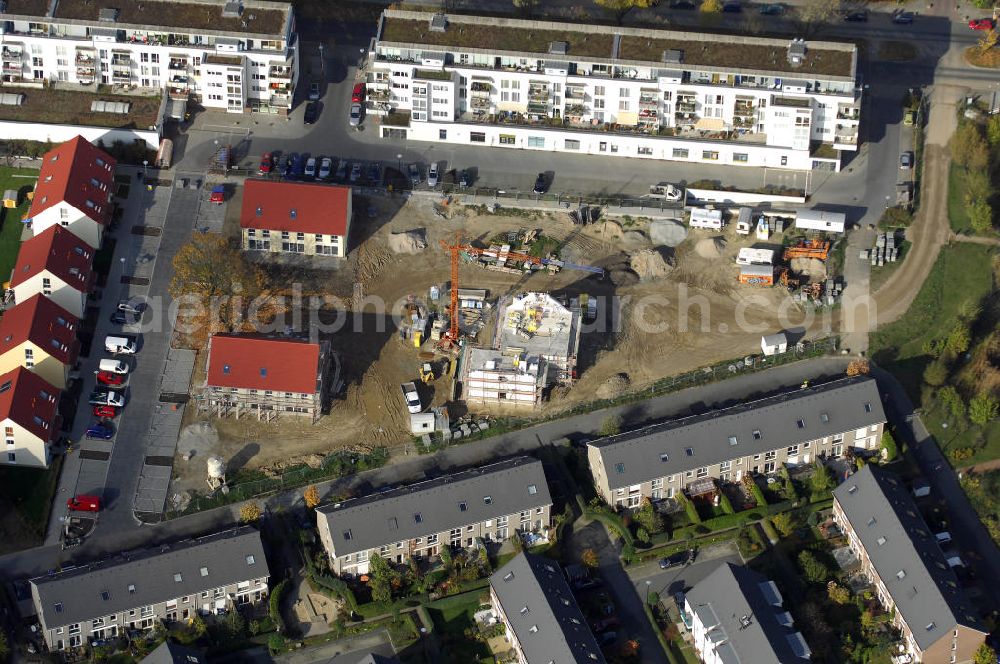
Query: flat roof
(734, 53)
(54, 106)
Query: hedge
(274, 606)
(660, 636)
(612, 521)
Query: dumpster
(84, 504)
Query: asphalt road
(667, 583)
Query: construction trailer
(772, 344)
(757, 275)
(821, 220)
(706, 218)
(754, 256)
(744, 221)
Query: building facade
(756, 437)
(904, 562)
(627, 92)
(170, 583)
(40, 336)
(736, 615)
(231, 55)
(540, 326)
(29, 410)
(57, 264)
(266, 376)
(295, 218)
(488, 504)
(491, 378)
(74, 191)
(543, 623)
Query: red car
(266, 164)
(981, 24)
(105, 411)
(110, 378)
(84, 504)
(359, 93)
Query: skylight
(732, 440)
(488, 500)
(463, 506)
(417, 518)
(664, 457)
(204, 571)
(532, 489)
(620, 468)
(178, 578)
(251, 560)
(348, 535)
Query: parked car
(906, 160)
(604, 624)
(465, 178)
(325, 168)
(355, 171)
(124, 318)
(311, 114)
(374, 172)
(298, 166)
(414, 173)
(985, 24)
(110, 378)
(288, 164)
(100, 431)
(310, 171)
(856, 16)
(732, 7)
(358, 94)
(120, 345)
(355, 115)
(341, 173)
(113, 366)
(84, 503)
(541, 184)
(411, 397)
(903, 18)
(314, 91)
(266, 164)
(432, 175)
(772, 10)
(678, 559)
(105, 397)
(909, 118)
(105, 412)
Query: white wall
(29, 450)
(36, 131)
(739, 197)
(64, 295)
(76, 222)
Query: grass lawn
(452, 616)
(957, 216)
(29, 491)
(952, 435)
(10, 226)
(962, 272)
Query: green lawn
(452, 616)
(10, 221)
(962, 273)
(953, 435)
(30, 491)
(956, 201)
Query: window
(725, 465)
(689, 451)
(733, 440)
(679, 153)
(623, 105)
(477, 137)
(710, 155)
(442, 134)
(703, 471)
(792, 450)
(417, 518)
(348, 535)
(536, 142)
(645, 151)
(507, 139)
(532, 489)
(664, 457)
(801, 424)
(570, 144)
(463, 506)
(740, 157)
(488, 500)
(599, 90)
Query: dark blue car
(101, 431)
(290, 165)
(298, 166)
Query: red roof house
(256, 362)
(55, 263)
(48, 331)
(29, 411)
(315, 217)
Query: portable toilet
(10, 198)
(763, 232)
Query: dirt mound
(408, 242)
(667, 232)
(648, 265)
(635, 239)
(710, 247)
(814, 268)
(623, 277)
(614, 386)
(607, 230)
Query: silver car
(432, 175)
(355, 115)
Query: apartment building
(231, 55)
(295, 218)
(252, 374)
(736, 615)
(627, 92)
(490, 503)
(491, 378)
(904, 562)
(57, 264)
(759, 436)
(174, 653)
(39, 335)
(543, 622)
(30, 418)
(74, 190)
(133, 590)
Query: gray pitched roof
(375, 658)
(905, 554)
(742, 611)
(750, 428)
(172, 653)
(543, 613)
(436, 505)
(150, 576)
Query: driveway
(680, 579)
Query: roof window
(293, 213)
(524, 610)
(509, 576)
(868, 409)
(251, 560)
(348, 535)
(178, 578)
(853, 489)
(225, 368)
(204, 571)
(824, 418)
(488, 500)
(733, 441)
(463, 506)
(260, 211)
(90, 203)
(417, 518)
(99, 161)
(901, 574)
(664, 457)
(131, 589)
(689, 451)
(58, 607)
(105, 595)
(801, 424)
(620, 468)
(756, 434)
(930, 626)
(6, 386)
(881, 541)
(263, 372)
(532, 489)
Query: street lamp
(648, 583)
(399, 158)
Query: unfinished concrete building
(537, 325)
(491, 378)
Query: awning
(710, 124)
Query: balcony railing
(280, 72)
(686, 107)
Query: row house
(232, 55)
(310, 219)
(543, 622)
(40, 336)
(57, 264)
(30, 418)
(904, 562)
(74, 190)
(169, 583)
(737, 615)
(755, 437)
(266, 376)
(487, 504)
(627, 92)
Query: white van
(943, 538)
(120, 345)
(113, 366)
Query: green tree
(783, 523)
(983, 408)
(980, 215)
(446, 557)
(993, 136)
(621, 7)
(813, 568)
(889, 445)
(838, 593)
(936, 373)
(965, 143)
(381, 577)
(611, 425)
(985, 655)
(822, 479)
(977, 186)
(958, 339)
(236, 625)
(648, 517)
(276, 643)
(952, 401)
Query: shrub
(725, 503)
(813, 568)
(889, 449)
(250, 512)
(983, 408)
(274, 605)
(689, 508)
(611, 426)
(276, 643)
(936, 373)
(952, 400)
(838, 594)
(783, 523)
(311, 496)
(750, 483)
(961, 453)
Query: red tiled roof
(73, 172)
(295, 206)
(30, 401)
(59, 252)
(255, 362)
(45, 324)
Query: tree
(250, 513)
(311, 496)
(815, 13)
(958, 339)
(275, 643)
(821, 480)
(813, 568)
(966, 140)
(993, 132)
(980, 215)
(527, 7)
(983, 408)
(783, 523)
(380, 579)
(952, 400)
(621, 7)
(648, 517)
(611, 425)
(987, 41)
(985, 655)
(936, 373)
(589, 559)
(711, 6)
(236, 626)
(889, 448)
(858, 367)
(446, 558)
(838, 593)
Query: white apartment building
(628, 92)
(233, 55)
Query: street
(668, 582)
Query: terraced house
(627, 92)
(903, 560)
(171, 583)
(295, 218)
(232, 55)
(754, 437)
(57, 264)
(40, 336)
(487, 504)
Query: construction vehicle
(787, 279)
(808, 249)
(427, 373)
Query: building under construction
(539, 325)
(491, 378)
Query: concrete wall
(739, 197)
(36, 131)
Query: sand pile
(710, 247)
(813, 267)
(408, 242)
(609, 230)
(635, 239)
(648, 265)
(667, 232)
(613, 387)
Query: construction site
(552, 310)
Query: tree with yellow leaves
(250, 513)
(621, 7)
(311, 496)
(858, 368)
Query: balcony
(848, 112)
(85, 59)
(649, 117)
(577, 93)
(575, 110)
(12, 54)
(280, 72)
(538, 108)
(282, 101)
(686, 107)
(121, 59)
(647, 102)
(121, 77)
(538, 91)
(13, 68)
(177, 64)
(480, 103)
